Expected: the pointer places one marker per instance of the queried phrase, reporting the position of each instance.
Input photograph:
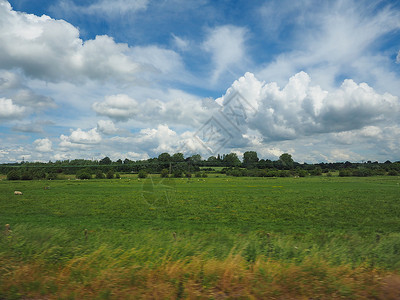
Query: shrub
(110, 174)
(197, 174)
(164, 173)
(393, 173)
(142, 174)
(117, 176)
(188, 175)
(52, 176)
(100, 174)
(13, 175)
(177, 173)
(27, 175)
(83, 174)
(345, 173)
(204, 175)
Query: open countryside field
(321, 237)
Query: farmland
(208, 237)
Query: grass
(324, 237)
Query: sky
(135, 78)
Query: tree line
(176, 165)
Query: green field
(133, 226)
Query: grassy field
(321, 237)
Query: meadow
(216, 237)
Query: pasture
(208, 237)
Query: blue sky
(133, 79)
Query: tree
(164, 157)
(212, 159)
(164, 173)
(110, 174)
(178, 157)
(250, 159)
(105, 161)
(231, 160)
(13, 175)
(100, 174)
(27, 175)
(142, 174)
(286, 160)
(84, 174)
(195, 159)
(178, 173)
(52, 176)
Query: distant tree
(286, 160)
(110, 174)
(164, 173)
(212, 159)
(231, 160)
(178, 173)
(127, 161)
(105, 161)
(52, 176)
(117, 176)
(250, 159)
(100, 174)
(142, 174)
(164, 157)
(13, 175)
(27, 175)
(178, 157)
(84, 174)
(195, 159)
(119, 161)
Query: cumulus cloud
(107, 127)
(118, 107)
(398, 58)
(43, 145)
(9, 110)
(51, 50)
(178, 108)
(12, 86)
(80, 139)
(302, 109)
(227, 47)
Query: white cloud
(180, 43)
(337, 39)
(103, 8)
(157, 59)
(177, 108)
(85, 137)
(8, 110)
(43, 145)
(118, 107)
(302, 109)
(398, 58)
(227, 47)
(106, 127)
(80, 139)
(51, 50)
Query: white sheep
(17, 193)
